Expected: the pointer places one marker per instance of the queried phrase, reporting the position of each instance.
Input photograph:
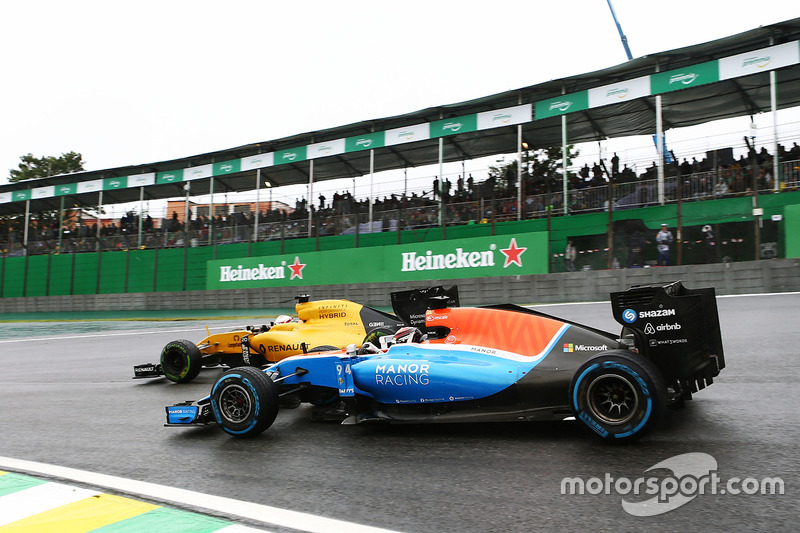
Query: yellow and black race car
(319, 326)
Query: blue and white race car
(496, 363)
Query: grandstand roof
(737, 96)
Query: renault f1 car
(496, 363)
(320, 326)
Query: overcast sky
(147, 81)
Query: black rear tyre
(244, 401)
(323, 348)
(181, 361)
(619, 395)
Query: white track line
(226, 506)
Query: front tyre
(619, 395)
(244, 401)
(181, 361)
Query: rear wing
(411, 305)
(676, 328)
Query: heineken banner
(503, 255)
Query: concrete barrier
(776, 275)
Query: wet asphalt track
(67, 399)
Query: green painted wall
(61, 274)
(791, 229)
(141, 270)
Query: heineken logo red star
(297, 269)
(513, 253)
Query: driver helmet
(407, 334)
(283, 319)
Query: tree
(31, 167)
(546, 163)
(539, 167)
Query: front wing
(147, 370)
(188, 414)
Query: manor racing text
(403, 374)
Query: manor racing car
(496, 363)
(320, 326)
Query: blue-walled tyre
(181, 361)
(619, 395)
(244, 401)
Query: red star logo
(513, 253)
(297, 269)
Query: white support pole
(27, 221)
(519, 171)
(211, 211)
(776, 157)
(442, 217)
(187, 187)
(310, 202)
(660, 150)
(141, 205)
(98, 225)
(564, 164)
(61, 225)
(258, 204)
(371, 186)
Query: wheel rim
(235, 404)
(613, 399)
(174, 363)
